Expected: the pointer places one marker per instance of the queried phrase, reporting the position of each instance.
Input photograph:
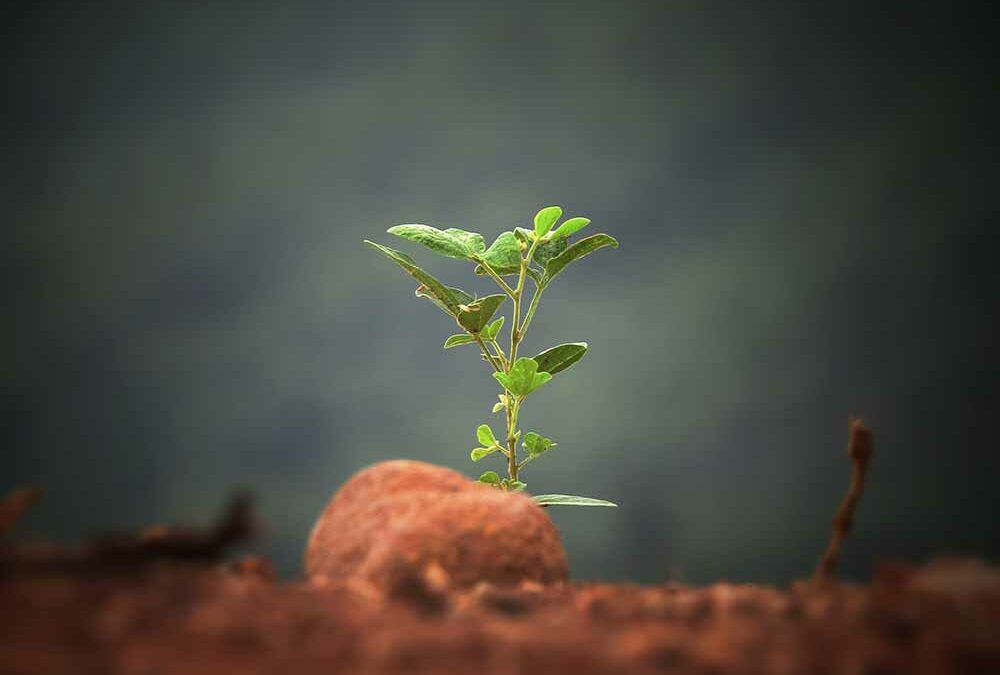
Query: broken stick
(15, 504)
(859, 449)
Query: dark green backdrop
(805, 194)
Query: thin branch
(15, 504)
(124, 551)
(531, 309)
(859, 449)
(504, 286)
(486, 353)
(499, 353)
(515, 330)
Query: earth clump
(407, 514)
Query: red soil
(181, 618)
(411, 514)
(458, 579)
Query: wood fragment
(15, 504)
(126, 551)
(859, 449)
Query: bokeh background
(805, 195)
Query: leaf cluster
(539, 253)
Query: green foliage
(459, 296)
(536, 444)
(474, 316)
(581, 248)
(485, 435)
(451, 242)
(492, 330)
(460, 339)
(478, 453)
(523, 377)
(503, 255)
(429, 287)
(490, 478)
(547, 250)
(570, 227)
(557, 359)
(539, 253)
(545, 219)
(571, 500)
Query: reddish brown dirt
(394, 593)
(413, 514)
(182, 618)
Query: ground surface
(156, 616)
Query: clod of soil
(400, 518)
(171, 617)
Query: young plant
(538, 254)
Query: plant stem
(486, 353)
(515, 330)
(531, 309)
(512, 402)
(516, 334)
(504, 286)
(513, 407)
(499, 354)
(515, 338)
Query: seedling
(539, 254)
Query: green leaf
(491, 330)
(473, 241)
(523, 377)
(547, 250)
(585, 246)
(516, 485)
(524, 235)
(490, 478)
(429, 286)
(460, 339)
(474, 316)
(536, 444)
(570, 500)
(536, 276)
(453, 243)
(461, 297)
(559, 358)
(545, 219)
(503, 255)
(485, 435)
(570, 227)
(478, 453)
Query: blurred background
(805, 195)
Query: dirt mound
(161, 602)
(402, 515)
(174, 617)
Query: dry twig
(124, 551)
(15, 504)
(859, 449)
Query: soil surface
(389, 590)
(183, 617)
